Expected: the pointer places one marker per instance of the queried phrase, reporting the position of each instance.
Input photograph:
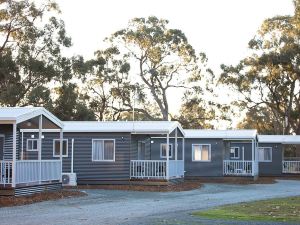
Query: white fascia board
(37, 130)
(35, 113)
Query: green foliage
(270, 77)
(68, 106)
(163, 58)
(29, 51)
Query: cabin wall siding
(155, 148)
(7, 151)
(214, 168)
(86, 169)
(247, 146)
(273, 168)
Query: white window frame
(104, 160)
(264, 159)
(209, 153)
(164, 157)
(235, 157)
(67, 146)
(32, 150)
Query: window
(201, 152)
(32, 144)
(56, 148)
(103, 150)
(234, 152)
(265, 154)
(163, 150)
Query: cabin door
(141, 150)
(1, 146)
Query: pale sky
(220, 28)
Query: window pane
(97, 150)
(205, 152)
(109, 150)
(197, 152)
(34, 144)
(57, 148)
(236, 152)
(164, 150)
(267, 154)
(29, 145)
(65, 150)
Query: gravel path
(128, 207)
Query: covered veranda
(290, 151)
(15, 171)
(145, 166)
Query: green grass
(280, 210)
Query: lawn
(280, 210)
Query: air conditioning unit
(69, 179)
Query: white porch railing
(239, 168)
(156, 169)
(148, 169)
(30, 171)
(290, 166)
(5, 172)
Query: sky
(220, 28)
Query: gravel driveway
(128, 207)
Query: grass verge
(279, 210)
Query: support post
(14, 158)
(167, 154)
(72, 159)
(40, 147)
(253, 160)
(22, 147)
(176, 149)
(183, 151)
(60, 153)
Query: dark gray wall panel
(155, 148)
(273, 168)
(241, 145)
(85, 168)
(204, 169)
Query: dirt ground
(6, 201)
(238, 180)
(181, 186)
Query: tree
(68, 106)
(30, 52)
(270, 77)
(261, 119)
(162, 57)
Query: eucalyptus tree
(31, 42)
(161, 59)
(270, 77)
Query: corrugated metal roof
(284, 139)
(122, 126)
(20, 114)
(224, 134)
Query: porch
(17, 170)
(240, 168)
(30, 172)
(241, 157)
(291, 166)
(156, 169)
(158, 155)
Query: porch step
(176, 181)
